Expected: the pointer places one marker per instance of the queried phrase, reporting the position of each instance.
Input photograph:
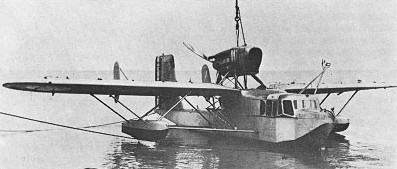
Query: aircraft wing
(119, 87)
(334, 88)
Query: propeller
(201, 54)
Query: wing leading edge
(113, 87)
(334, 88)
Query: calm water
(370, 141)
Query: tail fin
(116, 71)
(116, 76)
(165, 71)
(205, 74)
(165, 68)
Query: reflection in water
(186, 149)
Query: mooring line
(35, 130)
(100, 125)
(25, 131)
(59, 125)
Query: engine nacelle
(238, 60)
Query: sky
(82, 35)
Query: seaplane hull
(280, 129)
(312, 138)
(247, 120)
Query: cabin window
(313, 104)
(269, 107)
(233, 55)
(300, 104)
(306, 103)
(262, 107)
(288, 109)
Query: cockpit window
(288, 109)
(273, 108)
(295, 104)
(279, 108)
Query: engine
(237, 61)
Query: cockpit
(287, 105)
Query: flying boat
(274, 114)
(263, 114)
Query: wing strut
(340, 111)
(173, 106)
(109, 107)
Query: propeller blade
(191, 48)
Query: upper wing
(333, 88)
(118, 87)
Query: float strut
(147, 113)
(347, 102)
(173, 106)
(322, 101)
(127, 108)
(109, 107)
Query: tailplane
(165, 71)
